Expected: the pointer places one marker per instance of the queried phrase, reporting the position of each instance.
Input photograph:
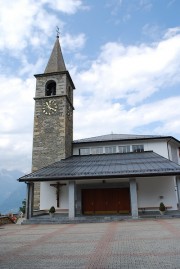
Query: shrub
(52, 209)
(162, 207)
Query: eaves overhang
(70, 178)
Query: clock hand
(47, 105)
(52, 108)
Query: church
(109, 174)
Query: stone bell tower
(53, 116)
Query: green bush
(52, 209)
(23, 207)
(162, 207)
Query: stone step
(46, 220)
(63, 219)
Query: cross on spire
(57, 30)
(56, 61)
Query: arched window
(50, 88)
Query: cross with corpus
(58, 187)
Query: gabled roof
(56, 61)
(121, 137)
(106, 166)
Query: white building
(108, 174)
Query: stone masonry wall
(53, 133)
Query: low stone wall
(5, 220)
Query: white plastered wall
(48, 196)
(160, 147)
(150, 190)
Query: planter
(51, 215)
(162, 212)
(162, 208)
(52, 210)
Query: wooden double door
(105, 201)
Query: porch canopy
(105, 166)
(125, 165)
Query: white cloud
(16, 108)
(132, 72)
(152, 31)
(129, 75)
(15, 151)
(72, 43)
(67, 6)
(22, 21)
(145, 5)
(115, 5)
(97, 118)
(172, 32)
(29, 68)
(16, 118)
(29, 22)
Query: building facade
(109, 174)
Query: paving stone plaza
(126, 244)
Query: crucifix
(58, 187)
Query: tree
(23, 207)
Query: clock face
(49, 107)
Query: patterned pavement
(129, 244)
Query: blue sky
(123, 56)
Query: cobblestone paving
(131, 244)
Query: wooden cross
(58, 187)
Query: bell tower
(53, 115)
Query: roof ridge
(113, 137)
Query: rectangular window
(124, 149)
(138, 148)
(110, 150)
(84, 151)
(98, 150)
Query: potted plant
(162, 208)
(52, 210)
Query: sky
(123, 56)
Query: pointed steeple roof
(56, 61)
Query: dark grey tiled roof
(115, 137)
(106, 165)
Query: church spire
(56, 61)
